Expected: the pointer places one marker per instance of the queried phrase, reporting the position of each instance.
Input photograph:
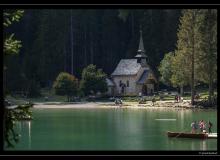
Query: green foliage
(17, 81)
(11, 45)
(187, 44)
(10, 117)
(207, 57)
(195, 58)
(187, 50)
(11, 16)
(207, 103)
(165, 68)
(45, 55)
(100, 37)
(66, 84)
(93, 80)
(180, 71)
(208, 46)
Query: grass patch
(18, 100)
(203, 95)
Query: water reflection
(27, 124)
(183, 115)
(29, 134)
(128, 127)
(203, 145)
(193, 145)
(19, 127)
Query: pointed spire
(141, 50)
(141, 44)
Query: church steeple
(141, 45)
(141, 57)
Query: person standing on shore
(181, 99)
(153, 100)
(176, 98)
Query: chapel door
(122, 89)
(144, 89)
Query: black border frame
(161, 154)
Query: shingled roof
(127, 67)
(143, 77)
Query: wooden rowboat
(187, 135)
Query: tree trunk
(181, 90)
(68, 98)
(4, 83)
(64, 66)
(132, 23)
(193, 54)
(211, 91)
(210, 67)
(85, 45)
(71, 41)
(91, 48)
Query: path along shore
(159, 104)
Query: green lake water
(112, 129)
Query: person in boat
(210, 127)
(194, 127)
(204, 127)
(201, 123)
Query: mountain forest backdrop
(54, 41)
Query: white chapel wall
(131, 90)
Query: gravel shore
(159, 104)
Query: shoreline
(128, 105)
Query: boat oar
(178, 135)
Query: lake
(113, 129)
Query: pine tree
(188, 46)
(208, 49)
